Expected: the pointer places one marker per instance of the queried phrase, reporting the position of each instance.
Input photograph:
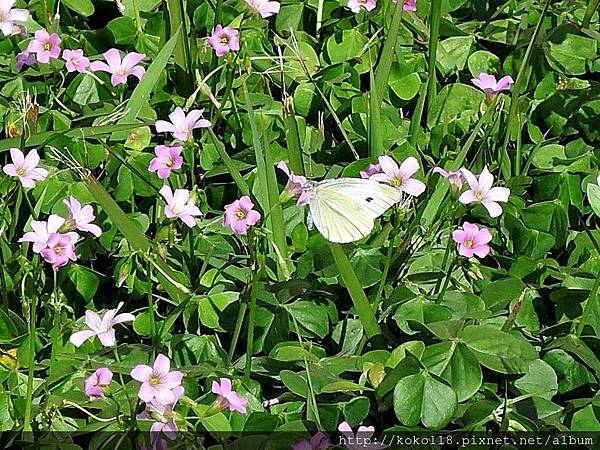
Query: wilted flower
(371, 170)
(75, 61)
(24, 58)
(60, 249)
(10, 15)
(182, 125)
(43, 230)
(25, 168)
(158, 382)
(227, 397)
(240, 215)
(102, 327)
(80, 218)
(472, 240)
(318, 442)
(356, 5)
(481, 191)
(45, 46)
(167, 159)
(487, 83)
(180, 205)
(96, 383)
(361, 440)
(265, 8)
(454, 178)
(296, 185)
(224, 40)
(120, 70)
(400, 177)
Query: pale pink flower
(163, 415)
(360, 440)
(24, 59)
(180, 205)
(454, 178)
(356, 5)
(472, 240)
(120, 69)
(10, 15)
(45, 46)
(487, 83)
(265, 8)
(25, 168)
(296, 185)
(371, 170)
(400, 177)
(167, 159)
(182, 125)
(158, 382)
(96, 383)
(81, 218)
(59, 250)
(227, 397)
(409, 5)
(481, 191)
(43, 230)
(318, 442)
(240, 215)
(75, 61)
(102, 327)
(224, 40)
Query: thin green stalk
(151, 310)
(510, 321)
(15, 217)
(233, 171)
(292, 137)
(387, 53)
(447, 251)
(415, 121)
(218, 12)
(129, 402)
(446, 281)
(250, 336)
(516, 92)
(592, 7)
(375, 128)
(589, 307)
(138, 21)
(237, 330)
(319, 15)
(181, 52)
(434, 36)
(359, 299)
(30, 363)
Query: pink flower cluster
(55, 239)
(96, 385)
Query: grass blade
(434, 36)
(181, 51)
(387, 53)
(293, 137)
(233, 171)
(375, 132)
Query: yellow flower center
(47, 46)
(169, 162)
(469, 243)
(58, 250)
(240, 214)
(397, 182)
(21, 171)
(154, 380)
(224, 40)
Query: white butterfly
(344, 210)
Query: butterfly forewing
(373, 197)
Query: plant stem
(446, 281)
(151, 310)
(434, 36)
(131, 408)
(592, 7)
(30, 363)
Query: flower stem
(446, 281)
(30, 363)
(131, 408)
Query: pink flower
(96, 383)
(472, 240)
(59, 250)
(120, 70)
(103, 327)
(454, 178)
(158, 383)
(227, 397)
(167, 159)
(318, 442)
(180, 205)
(45, 46)
(224, 40)
(76, 62)
(80, 218)
(265, 8)
(356, 5)
(25, 168)
(296, 185)
(400, 177)
(24, 59)
(43, 230)
(487, 83)
(361, 440)
(371, 170)
(164, 416)
(10, 15)
(481, 191)
(182, 125)
(409, 5)
(240, 215)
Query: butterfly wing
(373, 197)
(339, 218)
